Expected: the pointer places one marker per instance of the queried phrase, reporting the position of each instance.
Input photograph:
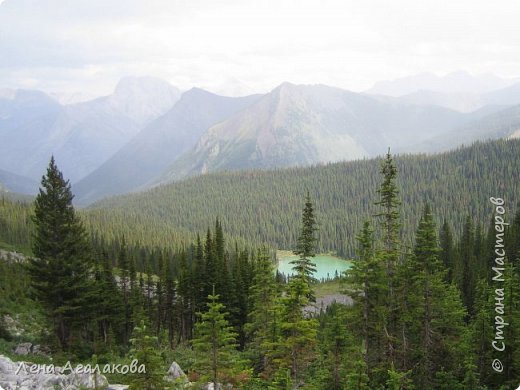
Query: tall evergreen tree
(298, 331)
(214, 342)
(109, 302)
(447, 253)
(123, 263)
(390, 253)
(262, 329)
(435, 316)
(145, 351)
(306, 246)
(367, 287)
(341, 352)
(464, 270)
(62, 268)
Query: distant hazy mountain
(143, 99)
(80, 136)
(502, 124)
(26, 123)
(462, 101)
(505, 96)
(159, 144)
(302, 125)
(66, 98)
(456, 82)
(10, 182)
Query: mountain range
(147, 133)
(34, 126)
(156, 146)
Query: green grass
(329, 288)
(15, 248)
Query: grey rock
(25, 375)
(23, 349)
(175, 372)
(41, 350)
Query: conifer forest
(259, 195)
(434, 282)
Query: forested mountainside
(263, 206)
(147, 133)
(420, 310)
(156, 146)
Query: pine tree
(434, 318)
(62, 268)
(261, 329)
(214, 342)
(306, 246)
(447, 253)
(340, 349)
(170, 295)
(145, 350)
(367, 287)
(464, 270)
(123, 264)
(298, 332)
(390, 253)
(109, 302)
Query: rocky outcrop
(322, 303)
(24, 349)
(175, 374)
(12, 256)
(28, 376)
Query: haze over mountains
(146, 133)
(33, 126)
(159, 144)
(304, 125)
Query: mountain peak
(143, 98)
(142, 84)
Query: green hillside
(264, 206)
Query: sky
(239, 47)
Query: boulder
(25, 376)
(175, 373)
(41, 350)
(88, 381)
(23, 349)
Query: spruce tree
(145, 351)
(340, 351)
(390, 254)
(109, 302)
(263, 299)
(123, 264)
(62, 268)
(367, 287)
(298, 331)
(447, 253)
(214, 342)
(434, 320)
(306, 246)
(464, 270)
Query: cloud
(90, 44)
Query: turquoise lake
(326, 265)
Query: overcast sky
(243, 46)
